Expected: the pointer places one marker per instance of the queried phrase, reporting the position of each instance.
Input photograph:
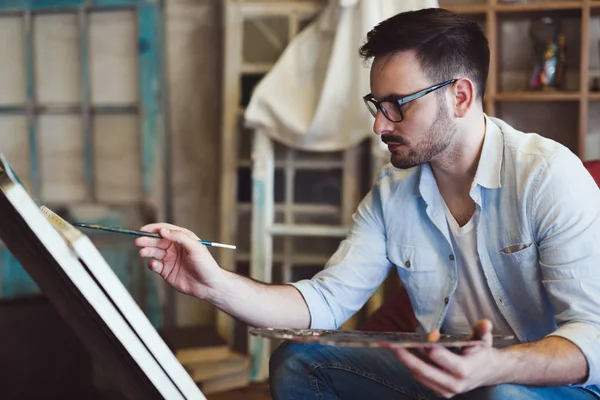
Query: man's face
(427, 128)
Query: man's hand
(448, 373)
(180, 259)
(187, 265)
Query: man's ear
(463, 92)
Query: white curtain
(312, 97)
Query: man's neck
(458, 164)
(455, 170)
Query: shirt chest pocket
(522, 259)
(410, 258)
(522, 251)
(416, 268)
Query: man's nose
(382, 124)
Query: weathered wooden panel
(117, 161)
(113, 57)
(14, 144)
(56, 55)
(12, 61)
(61, 159)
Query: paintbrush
(141, 233)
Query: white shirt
(472, 301)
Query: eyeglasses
(392, 109)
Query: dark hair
(446, 44)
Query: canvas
(90, 298)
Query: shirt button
(407, 264)
(446, 300)
(451, 257)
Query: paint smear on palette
(355, 338)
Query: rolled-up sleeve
(354, 272)
(568, 216)
(586, 338)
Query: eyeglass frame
(403, 100)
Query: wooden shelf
(538, 96)
(325, 165)
(320, 230)
(516, 8)
(594, 96)
(595, 3)
(542, 6)
(305, 209)
(468, 8)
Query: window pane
(12, 62)
(57, 70)
(61, 159)
(117, 160)
(113, 58)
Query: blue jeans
(311, 371)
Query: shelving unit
(255, 34)
(503, 22)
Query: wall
(193, 34)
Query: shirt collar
(489, 170)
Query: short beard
(434, 141)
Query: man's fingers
(152, 252)
(424, 369)
(156, 227)
(434, 336)
(145, 241)
(437, 380)
(468, 350)
(483, 331)
(182, 238)
(448, 361)
(155, 266)
(185, 239)
(482, 327)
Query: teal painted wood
(150, 88)
(16, 282)
(151, 82)
(86, 119)
(140, 282)
(263, 206)
(74, 109)
(13, 110)
(152, 304)
(34, 171)
(43, 5)
(118, 260)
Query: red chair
(594, 169)
(396, 314)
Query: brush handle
(142, 233)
